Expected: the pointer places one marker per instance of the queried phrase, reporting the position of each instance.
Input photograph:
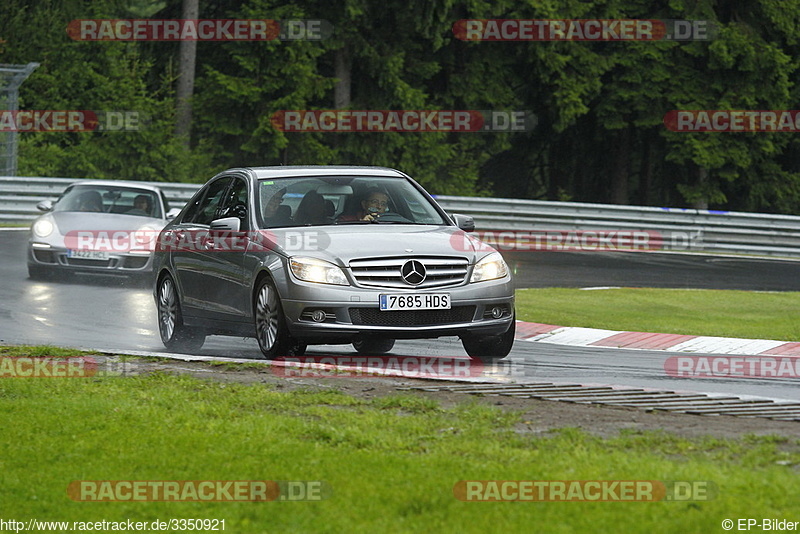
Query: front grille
(44, 256)
(137, 262)
(385, 272)
(375, 317)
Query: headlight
(491, 267)
(42, 228)
(319, 271)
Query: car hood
(340, 244)
(71, 221)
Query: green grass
(390, 463)
(41, 351)
(674, 311)
(236, 366)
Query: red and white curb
(595, 337)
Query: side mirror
(228, 224)
(465, 222)
(171, 214)
(45, 205)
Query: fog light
(318, 316)
(497, 312)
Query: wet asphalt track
(113, 314)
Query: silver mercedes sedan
(98, 226)
(327, 255)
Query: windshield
(110, 199)
(314, 201)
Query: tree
(186, 66)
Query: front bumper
(351, 312)
(57, 258)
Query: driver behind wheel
(90, 201)
(375, 203)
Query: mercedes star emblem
(413, 272)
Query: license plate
(88, 254)
(427, 301)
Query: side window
(191, 210)
(235, 204)
(204, 211)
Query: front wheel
(490, 348)
(271, 331)
(175, 335)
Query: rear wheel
(271, 331)
(174, 334)
(373, 345)
(490, 348)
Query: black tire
(490, 348)
(175, 335)
(373, 345)
(270, 324)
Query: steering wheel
(391, 216)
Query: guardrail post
(11, 77)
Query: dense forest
(600, 134)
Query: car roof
(289, 171)
(121, 183)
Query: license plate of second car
(426, 301)
(88, 254)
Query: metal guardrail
(513, 224)
(19, 195)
